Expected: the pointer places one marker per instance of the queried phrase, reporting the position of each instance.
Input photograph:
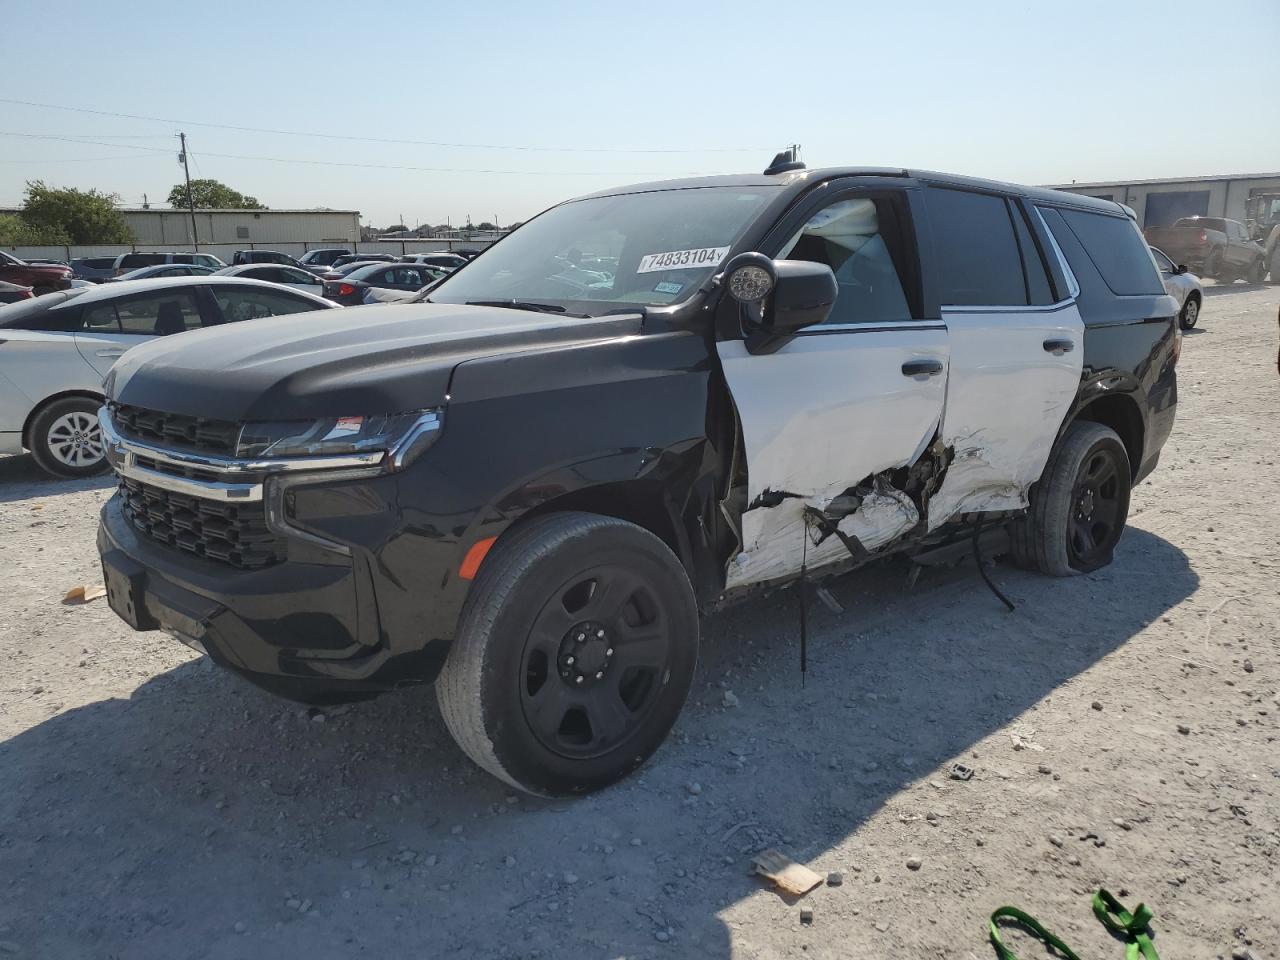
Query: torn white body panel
(822, 414)
(1007, 396)
(773, 537)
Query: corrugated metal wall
(173, 227)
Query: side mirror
(1180, 269)
(781, 297)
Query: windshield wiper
(525, 305)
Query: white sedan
(55, 351)
(294, 277)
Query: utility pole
(191, 200)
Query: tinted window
(153, 314)
(1118, 251)
(36, 314)
(131, 261)
(1039, 292)
(250, 303)
(857, 238)
(975, 250)
(183, 258)
(294, 275)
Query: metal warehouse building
(173, 227)
(1160, 202)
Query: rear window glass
(131, 261)
(1118, 250)
(976, 253)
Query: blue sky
(1025, 91)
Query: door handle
(1058, 346)
(111, 353)
(922, 368)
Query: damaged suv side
(525, 485)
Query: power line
(129, 156)
(378, 166)
(419, 143)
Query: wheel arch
(38, 408)
(1122, 414)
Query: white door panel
(102, 350)
(819, 416)
(40, 364)
(1007, 396)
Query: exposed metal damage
(783, 528)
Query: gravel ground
(1121, 727)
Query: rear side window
(152, 315)
(1118, 251)
(975, 250)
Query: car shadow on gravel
(21, 479)
(201, 817)
(1229, 289)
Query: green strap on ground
(1134, 928)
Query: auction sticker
(682, 259)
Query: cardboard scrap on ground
(787, 875)
(83, 594)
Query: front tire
(65, 439)
(1190, 313)
(1079, 508)
(574, 654)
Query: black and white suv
(525, 484)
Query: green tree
(16, 232)
(212, 195)
(74, 216)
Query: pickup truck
(42, 277)
(1212, 247)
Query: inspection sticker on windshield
(682, 259)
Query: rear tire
(574, 654)
(1189, 313)
(1079, 508)
(65, 440)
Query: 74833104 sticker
(682, 259)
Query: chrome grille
(176, 430)
(232, 533)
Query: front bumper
(320, 618)
(295, 628)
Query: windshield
(638, 249)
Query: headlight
(404, 435)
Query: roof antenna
(785, 161)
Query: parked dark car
(94, 269)
(524, 487)
(41, 277)
(1211, 247)
(451, 260)
(13, 292)
(362, 284)
(363, 258)
(337, 273)
(243, 257)
(318, 261)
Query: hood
(388, 358)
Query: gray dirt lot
(153, 807)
